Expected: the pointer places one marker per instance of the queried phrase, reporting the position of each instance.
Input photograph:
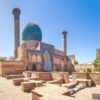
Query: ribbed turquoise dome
(32, 32)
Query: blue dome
(32, 32)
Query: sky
(80, 18)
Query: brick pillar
(16, 12)
(64, 33)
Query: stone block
(55, 75)
(27, 73)
(95, 96)
(17, 81)
(35, 74)
(37, 83)
(45, 76)
(35, 96)
(12, 76)
(27, 86)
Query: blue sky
(81, 18)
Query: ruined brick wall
(11, 67)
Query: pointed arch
(39, 59)
(47, 61)
(33, 58)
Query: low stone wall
(47, 76)
(81, 75)
(11, 76)
(56, 75)
(27, 74)
(65, 76)
(35, 74)
(17, 81)
(41, 75)
(27, 86)
(11, 67)
(95, 78)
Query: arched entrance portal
(47, 62)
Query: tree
(97, 61)
(89, 70)
(2, 58)
(76, 62)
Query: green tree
(2, 58)
(76, 62)
(97, 60)
(89, 70)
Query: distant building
(88, 67)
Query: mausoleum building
(35, 54)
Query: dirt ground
(10, 92)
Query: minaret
(16, 12)
(64, 33)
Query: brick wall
(11, 67)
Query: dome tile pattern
(32, 32)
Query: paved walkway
(10, 92)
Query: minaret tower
(16, 12)
(64, 33)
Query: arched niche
(29, 57)
(47, 62)
(33, 58)
(39, 67)
(54, 60)
(39, 59)
(58, 61)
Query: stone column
(16, 12)
(64, 33)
